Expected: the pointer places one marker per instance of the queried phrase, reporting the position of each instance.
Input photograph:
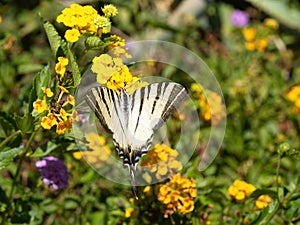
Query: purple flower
(54, 173)
(239, 18)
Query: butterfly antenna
(132, 179)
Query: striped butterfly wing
(132, 119)
(151, 106)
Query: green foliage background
(260, 121)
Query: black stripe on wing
(177, 96)
(99, 100)
(172, 94)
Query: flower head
(104, 66)
(178, 194)
(110, 10)
(99, 153)
(240, 190)
(162, 161)
(128, 212)
(263, 201)
(210, 112)
(103, 23)
(121, 79)
(72, 35)
(249, 34)
(239, 18)
(40, 106)
(271, 23)
(54, 173)
(261, 44)
(49, 121)
(294, 96)
(60, 67)
(47, 92)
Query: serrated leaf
(290, 17)
(7, 157)
(75, 68)
(53, 37)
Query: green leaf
(25, 123)
(45, 149)
(98, 218)
(3, 197)
(259, 192)
(7, 157)
(54, 39)
(290, 17)
(75, 68)
(7, 124)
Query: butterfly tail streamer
(133, 180)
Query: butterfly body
(132, 119)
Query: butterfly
(133, 119)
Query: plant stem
(22, 156)
(280, 204)
(9, 138)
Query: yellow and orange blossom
(240, 190)
(263, 201)
(40, 106)
(178, 195)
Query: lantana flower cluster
(85, 19)
(178, 195)
(58, 107)
(98, 153)
(240, 190)
(210, 112)
(112, 72)
(258, 38)
(294, 96)
(162, 160)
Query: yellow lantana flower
(70, 99)
(250, 46)
(104, 66)
(128, 212)
(40, 106)
(240, 190)
(249, 34)
(178, 194)
(294, 94)
(263, 201)
(47, 92)
(271, 23)
(72, 35)
(162, 161)
(121, 79)
(60, 67)
(99, 153)
(261, 44)
(49, 121)
(61, 127)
